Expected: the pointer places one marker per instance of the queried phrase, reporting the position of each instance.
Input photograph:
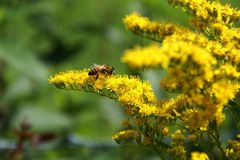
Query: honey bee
(101, 69)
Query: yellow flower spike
(227, 71)
(169, 107)
(228, 37)
(199, 156)
(193, 137)
(179, 49)
(127, 135)
(222, 94)
(208, 12)
(182, 55)
(150, 56)
(177, 145)
(233, 149)
(169, 83)
(130, 91)
(195, 118)
(70, 79)
(151, 29)
(179, 135)
(147, 110)
(165, 131)
(178, 151)
(220, 116)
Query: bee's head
(112, 69)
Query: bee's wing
(94, 65)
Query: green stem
(210, 151)
(158, 152)
(205, 144)
(235, 117)
(218, 143)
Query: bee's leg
(96, 77)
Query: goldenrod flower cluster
(203, 70)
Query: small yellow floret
(199, 156)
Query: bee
(101, 69)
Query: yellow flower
(178, 135)
(150, 29)
(233, 150)
(192, 137)
(220, 116)
(70, 79)
(126, 135)
(169, 83)
(195, 119)
(179, 151)
(229, 37)
(227, 71)
(177, 145)
(170, 107)
(165, 131)
(208, 12)
(130, 91)
(150, 56)
(224, 91)
(199, 156)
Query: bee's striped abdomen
(93, 71)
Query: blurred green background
(41, 37)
